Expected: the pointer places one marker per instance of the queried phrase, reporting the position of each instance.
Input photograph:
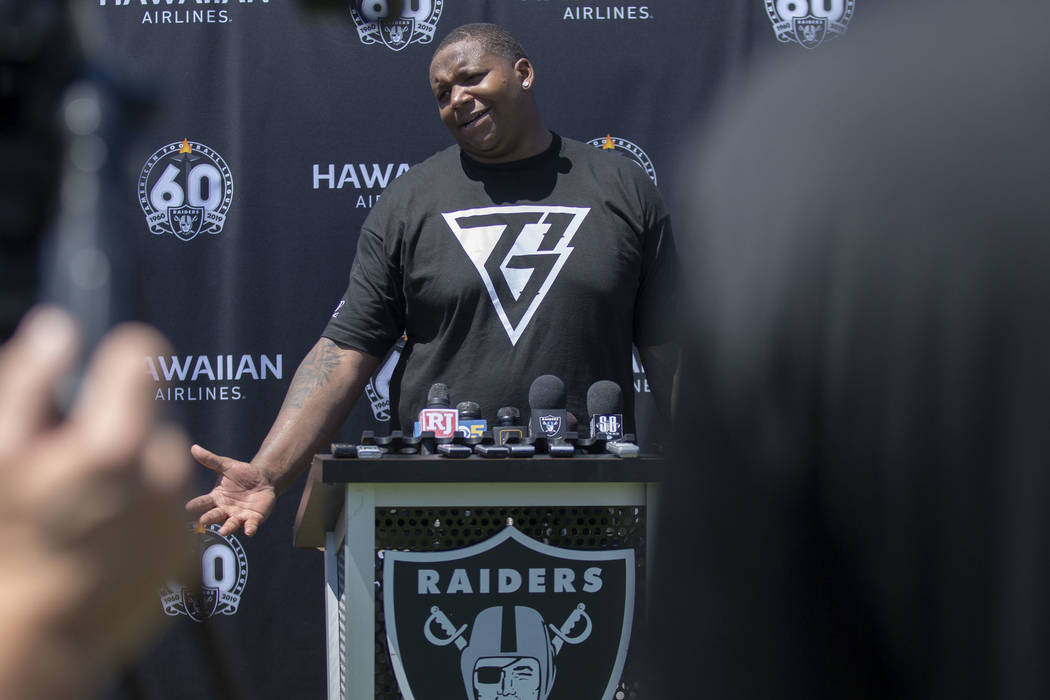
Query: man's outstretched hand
(242, 497)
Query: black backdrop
(311, 117)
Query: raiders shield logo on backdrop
(185, 221)
(508, 618)
(810, 31)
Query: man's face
(502, 678)
(480, 98)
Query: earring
(525, 84)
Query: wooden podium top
(322, 497)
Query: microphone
(605, 406)
(547, 417)
(508, 432)
(469, 410)
(470, 422)
(437, 397)
(508, 426)
(438, 417)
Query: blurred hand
(242, 496)
(90, 517)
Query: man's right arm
(322, 392)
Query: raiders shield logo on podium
(509, 617)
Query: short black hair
(492, 37)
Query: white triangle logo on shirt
(518, 251)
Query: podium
(359, 510)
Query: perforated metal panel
(443, 528)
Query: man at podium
(512, 254)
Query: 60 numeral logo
(380, 10)
(828, 9)
(185, 189)
(203, 178)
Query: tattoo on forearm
(314, 372)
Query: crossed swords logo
(455, 634)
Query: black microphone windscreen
(469, 410)
(547, 391)
(508, 415)
(437, 397)
(604, 397)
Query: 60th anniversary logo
(185, 189)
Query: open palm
(242, 497)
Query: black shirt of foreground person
(869, 509)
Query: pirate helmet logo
(510, 607)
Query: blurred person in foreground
(91, 519)
(866, 510)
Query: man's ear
(526, 76)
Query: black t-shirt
(501, 273)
